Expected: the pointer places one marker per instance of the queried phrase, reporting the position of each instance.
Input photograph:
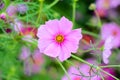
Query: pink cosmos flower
(113, 30)
(57, 39)
(27, 31)
(83, 72)
(104, 5)
(32, 62)
(107, 49)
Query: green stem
(83, 61)
(94, 66)
(73, 14)
(40, 10)
(63, 69)
(108, 74)
(90, 33)
(99, 20)
(110, 66)
(7, 2)
(52, 4)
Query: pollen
(59, 38)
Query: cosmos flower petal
(108, 43)
(52, 26)
(52, 50)
(71, 45)
(65, 25)
(75, 34)
(42, 30)
(43, 43)
(111, 29)
(64, 53)
(106, 55)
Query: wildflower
(22, 8)
(3, 16)
(57, 39)
(85, 72)
(11, 10)
(28, 33)
(1, 5)
(107, 49)
(113, 30)
(32, 62)
(104, 5)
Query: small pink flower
(22, 8)
(82, 72)
(107, 49)
(32, 62)
(113, 30)
(25, 53)
(85, 72)
(3, 16)
(11, 10)
(103, 6)
(57, 39)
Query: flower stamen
(59, 38)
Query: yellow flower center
(59, 38)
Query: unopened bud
(92, 6)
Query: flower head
(104, 5)
(57, 39)
(22, 8)
(113, 30)
(11, 10)
(1, 5)
(3, 16)
(32, 62)
(82, 72)
(85, 72)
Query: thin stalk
(52, 4)
(99, 20)
(73, 12)
(108, 74)
(63, 69)
(40, 10)
(110, 66)
(90, 33)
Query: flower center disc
(59, 38)
(114, 33)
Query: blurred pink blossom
(3, 16)
(103, 6)
(32, 62)
(11, 10)
(113, 30)
(107, 49)
(84, 72)
(57, 39)
(22, 8)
